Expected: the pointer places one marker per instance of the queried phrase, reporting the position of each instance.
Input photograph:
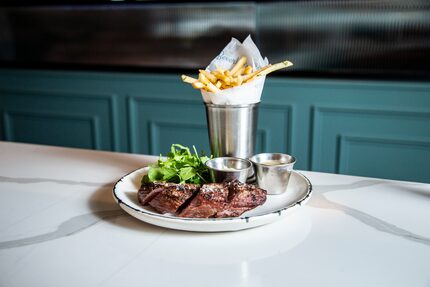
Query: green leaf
(168, 173)
(186, 173)
(180, 166)
(155, 174)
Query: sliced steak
(210, 199)
(228, 199)
(242, 197)
(166, 197)
(245, 195)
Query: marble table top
(60, 226)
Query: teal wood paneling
(155, 124)
(328, 114)
(308, 96)
(81, 131)
(275, 128)
(161, 110)
(344, 126)
(54, 117)
(333, 152)
(384, 157)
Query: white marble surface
(59, 226)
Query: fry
(239, 80)
(248, 70)
(208, 84)
(248, 77)
(218, 84)
(198, 85)
(275, 67)
(239, 72)
(225, 86)
(238, 65)
(208, 75)
(187, 79)
(222, 77)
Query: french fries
(239, 64)
(221, 79)
(208, 75)
(211, 87)
(198, 85)
(188, 80)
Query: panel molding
(345, 140)
(316, 125)
(93, 121)
(110, 98)
(369, 111)
(132, 102)
(265, 136)
(289, 112)
(154, 127)
(164, 100)
(343, 84)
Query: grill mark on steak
(207, 202)
(187, 202)
(245, 195)
(166, 197)
(150, 195)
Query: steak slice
(166, 197)
(209, 200)
(228, 199)
(242, 197)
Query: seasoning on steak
(210, 199)
(166, 197)
(242, 197)
(228, 199)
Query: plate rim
(207, 220)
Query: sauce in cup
(273, 171)
(272, 162)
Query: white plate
(276, 206)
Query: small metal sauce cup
(273, 171)
(229, 168)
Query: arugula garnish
(181, 166)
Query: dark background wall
(367, 39)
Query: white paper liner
(248, 93)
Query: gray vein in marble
(319, 201)
(59, 181)
(408, 187)
(67, 228)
